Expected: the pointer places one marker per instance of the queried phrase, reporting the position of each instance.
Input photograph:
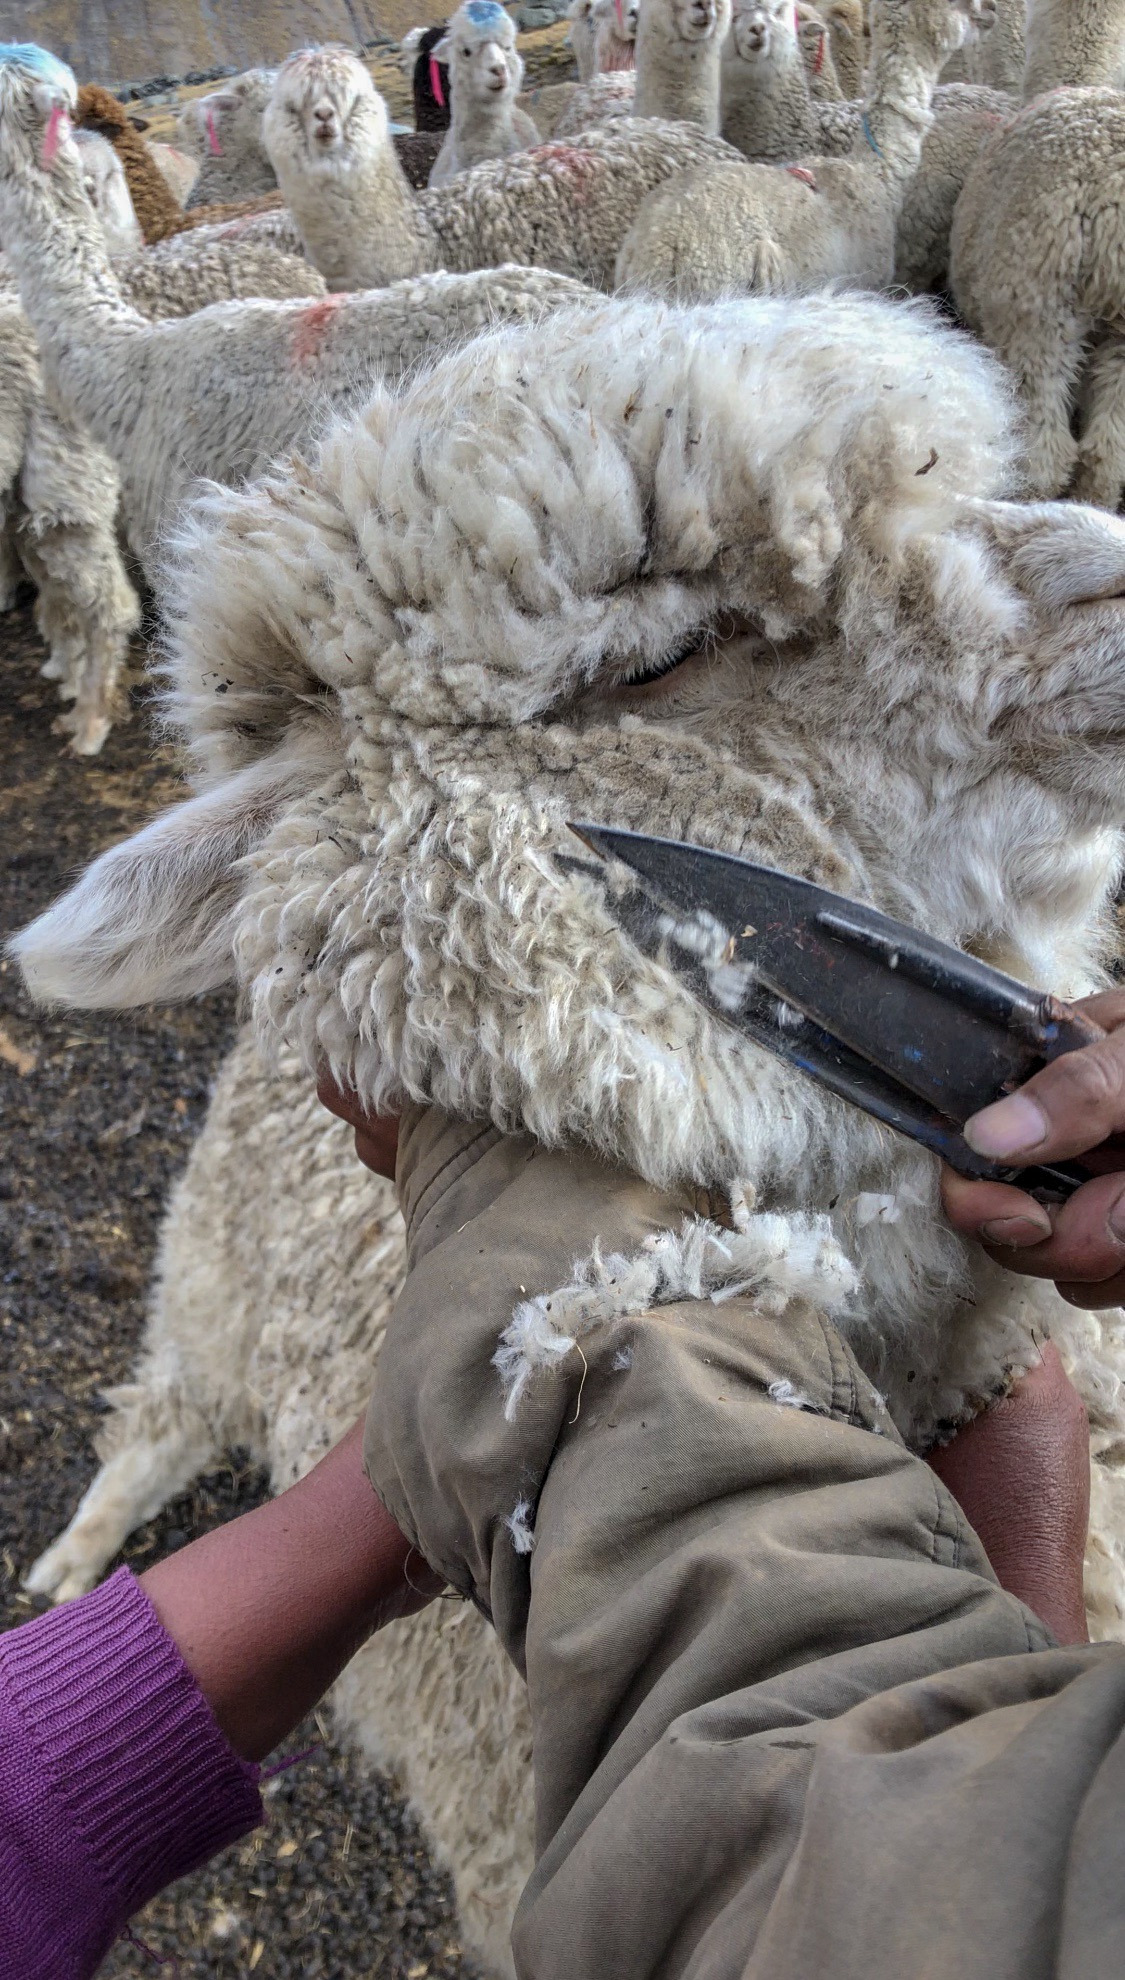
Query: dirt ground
(96, 1117)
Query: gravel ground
(98, 1115)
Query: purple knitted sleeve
(114, 1779)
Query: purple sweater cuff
(114, 1779)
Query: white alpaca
(767, 228)
(224, 131)
(254, 1342)
(563, 206)
(1037, 266)
(766, 104)
(676, 76)
(178, 169)
(485, 77)
(107, 190)
(860, 581)
(219, 393)
(677, 570)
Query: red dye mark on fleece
(819, 63)
(310, 327)
(213, 135)
(435, 82)
(57, 125)
(801, 172)
(578, 168)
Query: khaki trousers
(786, 1724)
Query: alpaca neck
(1079, 44)
(766, 107)
(360, 222)
(88, 334)
(897, 113)
(676, 80)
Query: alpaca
(106, 188)
(814, 44)
(676, 73)
(562, 206)
(158, 212)
(675, 569)
(965, 116)
(218, 393)
(679, 51)
(847, 40)
(249, 1345)
(429, 77)
(224, 129)
(996, 61)
(485, 75)
(756, 227)
(766, 105)
(1079, 46)
(1036, 271)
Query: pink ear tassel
(213, 135)
(54, 134)
(435, 82)
(620, 17)
(819, 63)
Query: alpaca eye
(656, 669)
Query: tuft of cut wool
(775, 1258)
(518, 1523)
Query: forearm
(267, 1610)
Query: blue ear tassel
(868, 136)
(48, 68)
(484, 13)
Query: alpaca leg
(1100, 475)
(154, 1445)
(1045, 359)
(87, 607)
(11, 569)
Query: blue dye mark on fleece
(27, 55)
(485, 13)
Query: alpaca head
(568, 572)
(613, 26)
(107, 189)
(761, 32)
(38, 95)
(694, 20)
(931, 29)
(227, 121)
(324, 112)
(479, 49)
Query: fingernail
(1016, 1232)
(1115, 1217)
(1009, 1127)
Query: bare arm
(267, 1610)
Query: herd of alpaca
(615, 497)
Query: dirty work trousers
(786, 1724)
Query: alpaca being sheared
(676, 570)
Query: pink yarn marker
(435, 82)
(54, 134)
(620, 16)
(213, 135)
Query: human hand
(376, 1135)
(1074, 1107)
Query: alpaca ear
(1059, 553)
(442, 50)
(152, 920)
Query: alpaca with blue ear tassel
(485, 78)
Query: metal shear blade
(912, 1030)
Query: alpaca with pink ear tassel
(224, 129)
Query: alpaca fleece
(426, 643)
(1037, 268)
